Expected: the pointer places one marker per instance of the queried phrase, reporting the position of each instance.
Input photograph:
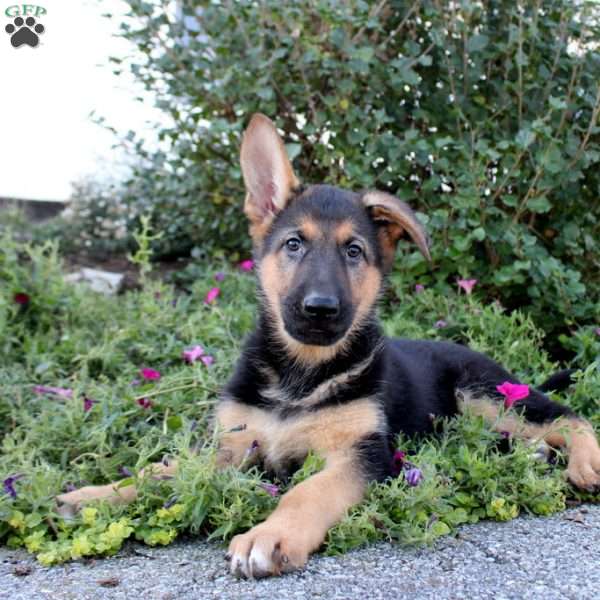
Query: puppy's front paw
(267, 550)
(583, 470)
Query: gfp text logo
(24, 29)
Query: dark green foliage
(484, 116)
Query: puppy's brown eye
(293, 244)
(353, 251)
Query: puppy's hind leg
(545, 420)
(70, 503)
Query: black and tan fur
(317, 373)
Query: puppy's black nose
(319, 307)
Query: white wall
(47, 139)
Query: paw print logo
(24, 32)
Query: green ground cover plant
(93, 388)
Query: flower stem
(174, 389)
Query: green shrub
(113, 423)
(484, 116)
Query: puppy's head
(321, 251)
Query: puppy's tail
(558, 382)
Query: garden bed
(92, 388)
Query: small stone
(109, 582)
(22, 570)
(103, 282)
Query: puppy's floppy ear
(268, 174)
(393, 217)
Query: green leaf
(477, 42)
(557, 103)
(293, 150)
(552, 160)
(541, 204)
(478, 233)
(525, 138)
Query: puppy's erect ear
(393, 218)
(268, 174)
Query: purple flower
(397, 462)
(505, 434)
(21, 298)
(211, 295)
(125, 472)
(197, 353)
(144, 403)
(193, 354)
(270, 488)
(55, 391)
(467, 285)
(413, 476)
(219, 276)
(9, 485)
(135, 382)
(88, 403)
(247, 265)
(512, 392)
(150, 374)
(419, 288)
(440, 324)
(597, 331)
(207, 360)
(170, 502)
(252, 449)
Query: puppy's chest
(285, 438)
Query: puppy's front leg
(299, 524)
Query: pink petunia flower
(211, 295)
(419, 288)
(145, 403)
(197, 353)
(207, 360)
(193, 354)
(21, 298)
(55, 391)
(270, 488)
(512, 392)
(247, 265)
(150, 374)
(467, 285)
(88, 404)
(219, 276)
(252, 449)
(398, 462)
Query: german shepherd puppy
(317, 373)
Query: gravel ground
(557, 557)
